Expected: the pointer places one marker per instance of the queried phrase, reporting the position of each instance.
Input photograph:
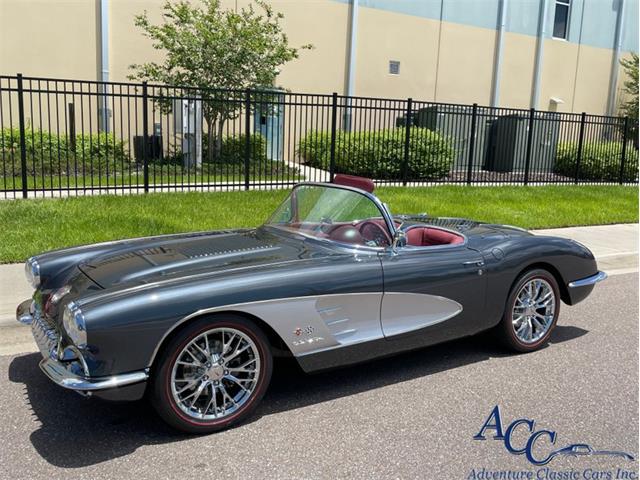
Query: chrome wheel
(534, 310)
(215, 374)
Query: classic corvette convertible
(194, 320)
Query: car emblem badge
(308, 330)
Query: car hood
(168, 258)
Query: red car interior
(430, 236)
(374, 229)
(356, 182)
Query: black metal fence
(70, 137)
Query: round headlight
(55, 297)
(74, 324)
(32, 271)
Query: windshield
(332, 213)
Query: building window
(394, 67)
(561, 19)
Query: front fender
(125, 327)
(566, 259)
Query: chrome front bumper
(59, 374)
(592, 280)
(62, 366)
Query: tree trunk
(211, 124)
(219, 139)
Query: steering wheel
(372, 231)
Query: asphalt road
(411, 416)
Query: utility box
(268, 121)
(154, 148)
(454, 122)
(507, 145)
(187, 117)
(402, 120)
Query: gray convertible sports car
(332, 278)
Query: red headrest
(356, 182)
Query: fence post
(527, 163)
(472, 142)
(334, 118)
(23, 140)
(583, 119)
(624, 148)
(407, 141)
(71, 127)
(145, 135)
(247, 137)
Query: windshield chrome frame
(385, 214)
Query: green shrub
(233, 149)
(315, 148)
(380, 154)
(102, 153)
(600, 161)
(52, 154)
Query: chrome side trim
(57, 373)
(592, 280)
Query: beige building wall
(48, 38)
(385, 36)
(442, 62)
(593, 75)
(465, 67)
(325, 25)
(516, 77)
(127, 45)
(558, 75)
(319, 70)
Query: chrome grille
(45, 334)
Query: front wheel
(212, 374)
(531, 312)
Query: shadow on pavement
(77, 432)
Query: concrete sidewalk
(614, 246)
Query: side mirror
(399, 240)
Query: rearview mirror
(399, 240)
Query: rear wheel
(532, 311)
(212, 374)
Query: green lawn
(33, 226)
(167, 174)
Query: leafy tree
(218, 52)
(630, 106)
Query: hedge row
(600, 161)
(101, 153)
(49, 153)
(231, 153)
(380, 154)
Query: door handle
(474, 263)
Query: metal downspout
(497, 63)
(104, 64)
(615, 62)
(351, 73)
(537, 69)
